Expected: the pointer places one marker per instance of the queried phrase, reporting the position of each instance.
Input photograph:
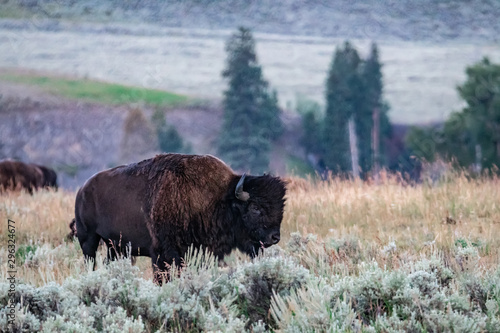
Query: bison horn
(240, 194)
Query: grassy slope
(96, 91)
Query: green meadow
(96, 91)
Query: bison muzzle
(161, 206)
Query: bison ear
(240, 194)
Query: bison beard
(162, 206)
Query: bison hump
(186, 188)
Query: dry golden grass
(418, 219)
(340, 203)
(411, 216)
(43, 217)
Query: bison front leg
(162, 265)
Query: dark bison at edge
(163, 205)
(49, 177)
(16, 175)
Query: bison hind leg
(116, 251)
(89, 247)
(112, 250)
(162, 265)
(161, 273)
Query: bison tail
(72, 233)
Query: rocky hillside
(78, 139)
(138, 43)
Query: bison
(16, 175)
(49, 177)
(163, 205)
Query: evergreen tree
(271, 121)
(369, 103)
(311, 125)
(385, 135)
(169, 139)
(456, 142)
(354, 90)
(472, 133)
(421, 142)
(343, 97)
(451, 141)
(251, 113)
(481, 92)
(372, 76)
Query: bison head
(258, 204)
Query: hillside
(424, 20)
(178, 46)
(79, 138)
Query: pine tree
(169, 139)
(251, 113)
(373, 108)
(421, 142)
(343, 95)
(311, 125)
(481, 92)
(456, 142)
(369, 104)
(471, 136)
(271, 121)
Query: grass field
(95, 91)
(354, 257)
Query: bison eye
(254, 210)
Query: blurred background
(287, 87)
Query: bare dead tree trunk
(479, 156)
(354, 147)
(376, 144)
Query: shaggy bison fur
(161, 206)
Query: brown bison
(162, 205)
(16, 175)
(49, 177)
